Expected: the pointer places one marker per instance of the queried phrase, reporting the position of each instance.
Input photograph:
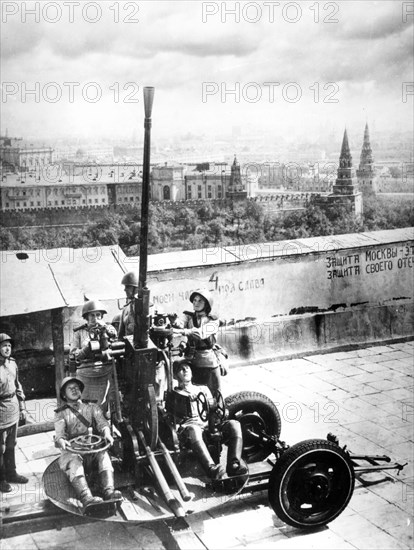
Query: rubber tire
(282, 482)
(250, 402)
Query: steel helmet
(207, 297)
(91, 307)
(179, 363)
(130, 279)
(66, 381)
(5, 337)
(116, 319)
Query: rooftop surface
(364, 396)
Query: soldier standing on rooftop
(200, 327)
(127, 323)
(12, 408)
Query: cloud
(367, 53)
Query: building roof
(87, 175)
(39, 280)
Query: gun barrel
(141, 334)
(175, 473)
(162, 482)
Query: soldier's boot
(106, 479)
(10, 468)
(83, 493)
(4, 486)
(235, 464)
(215, 471)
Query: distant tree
(7, 239)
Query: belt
(8, 396)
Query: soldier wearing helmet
(127, 322)
(90, 350)
(12, 409)
(116, 321)
(200, 328)
(76, 418)
(191, 427)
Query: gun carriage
(309, 484)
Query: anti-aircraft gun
(308, 484)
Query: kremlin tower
(365, 173)
(345, 190)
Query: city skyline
(282, 68)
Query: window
(96, 201)
(199, 192)
(83, 201)
(25, 204)
(31, 203)
(166, 193)
(56, 203)
(38, 203)
(63, 202)
(189, 192)
(7, 204)
(103, 200)
(209, 195)
(17, 203)
(219, 192)
(131, 199)
(90, 201)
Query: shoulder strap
(80, 416)
(62, 408)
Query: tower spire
(365, 172)
(345, 184)
(345, 152)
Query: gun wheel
(311, 483)
(203, 406)
(151, 419)
(88, 444)
(258, 417)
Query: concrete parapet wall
(313, 333)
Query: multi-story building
(87, 187)
(19, 156)
(207, 181)
(168, 182)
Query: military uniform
(74, 419)
(68, 426)
(200, 331)
(12, 402)
(96, 375)
(191, 428)
(127, 322)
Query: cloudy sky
(280, 67)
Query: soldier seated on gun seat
(191, 428)
(72, 420)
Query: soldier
(91, 352)
(12, 409)
(116, 321)
(201, 327)
(127, 323)
(74, 419)
(191, 428)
